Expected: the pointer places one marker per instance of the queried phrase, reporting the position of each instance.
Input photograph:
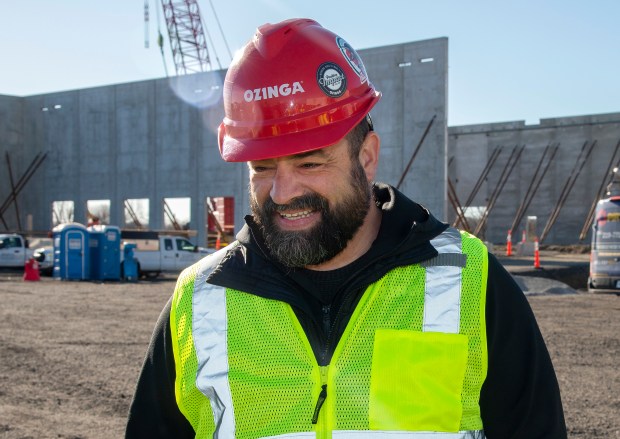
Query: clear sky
(508, 60)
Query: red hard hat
(295, 87)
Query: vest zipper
(330, 324)
(320, 417)
(326, 309)
(319, 403)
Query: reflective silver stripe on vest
(368, 434)
(475, 434)
(306, 435)
(442, 292)
(210, 332)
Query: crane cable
(206, 30)
(221, 31)
(160, 42)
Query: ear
(369, 154)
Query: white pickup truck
(164, 253)
(15, 251)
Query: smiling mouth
(296, 215)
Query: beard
(296, 249)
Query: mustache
(309, 201)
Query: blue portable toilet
(130, 265)
(105, 252)
(71, 252)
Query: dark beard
(325, 240)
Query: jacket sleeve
(520, 397)
(154, 412)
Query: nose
(285, 186)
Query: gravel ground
(71, 352)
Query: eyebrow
(316, 152)
(302, 155)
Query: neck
(358, 245)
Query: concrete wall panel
(413, 80)
(574, 135)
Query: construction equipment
(607, 178)
(187, 35)
(605, 255)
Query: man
(343, 309)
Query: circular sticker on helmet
(331, 79)
(352, 58)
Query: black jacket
(519, 399)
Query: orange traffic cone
(31, 270)
(509, 243)
(218, 242)
(536, 254)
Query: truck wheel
(151, 274)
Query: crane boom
(187, 37)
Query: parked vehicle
(15, 250)
(164, 253)
(605, 254)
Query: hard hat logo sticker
(331, 79)
(352, 58)
(259, 94)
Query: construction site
(143, 158)
(144, 155)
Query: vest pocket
(416, 380)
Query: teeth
(298, 215)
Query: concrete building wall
(158, 139)
(471, 147)
(11, 140)
(131, 141)
(413, 80)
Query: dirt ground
(70, 353)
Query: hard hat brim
(251, 149)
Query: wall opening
(220, 214)
(97, 212)
(177, 213)
(473, 215)
(136, 213)
(62, 212)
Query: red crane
(187, 36)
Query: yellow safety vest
(410, 363)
